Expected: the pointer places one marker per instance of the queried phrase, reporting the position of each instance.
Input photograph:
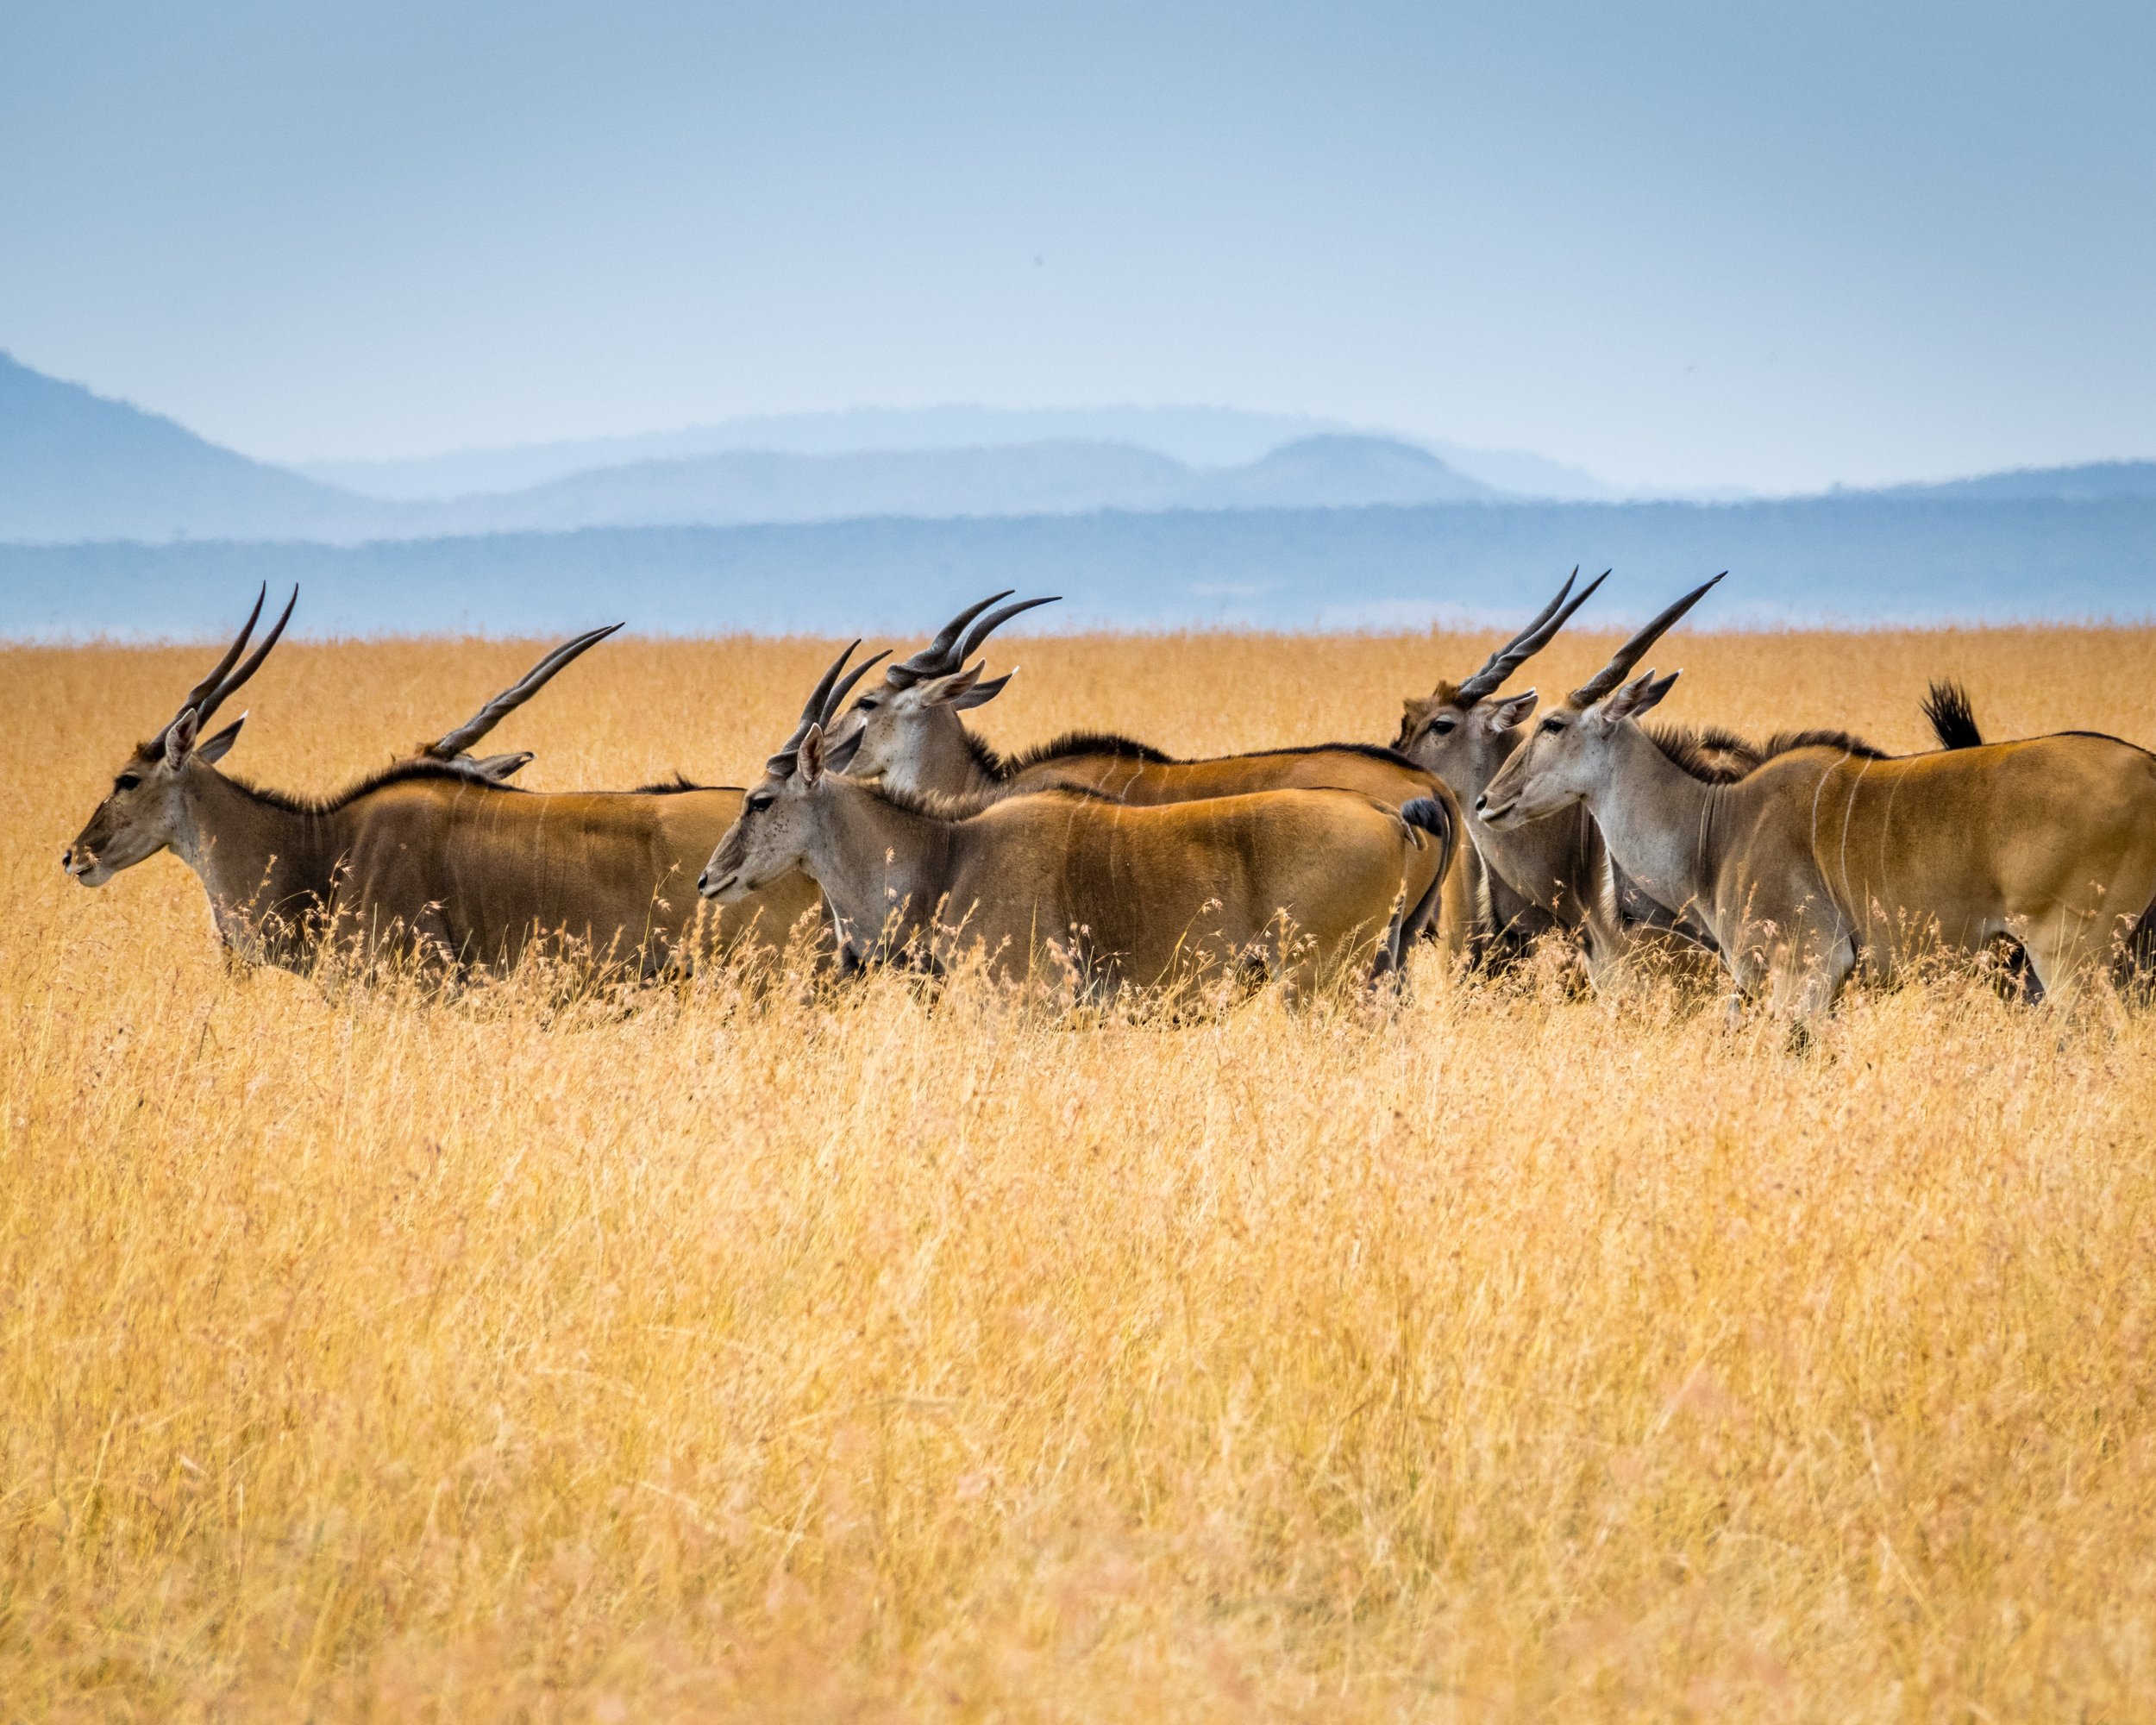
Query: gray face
(1555, 767)
(903, 733)
(1463, 746)
(768, 838)
(140, 817)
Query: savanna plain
(541, 1352)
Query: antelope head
(1567, 758)
(906, 727)
(1462, 731)
(146, 809)
(770, 836)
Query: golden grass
(1510, 1355)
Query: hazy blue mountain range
(75, 467)
(1025, 479)
(1196, 437)
(1858, 560)
(117, 521)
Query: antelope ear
(214, 749)
(808, 760)
(954, 687)
(839, 756)
(982, 694)
(179, 736)
(1509, 713)
(1634, 698)
(499, 769)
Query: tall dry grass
(1511, 1355)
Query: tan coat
(1303, 884)
(2050, 841)
(435, 861)
(1823, 860)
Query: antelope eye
(126, 781)
(1551, 726)
(761, 801)
(1443, 727)
(867, 703)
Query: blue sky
(1678, 245)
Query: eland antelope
(1556, 874)
(1825, 859)
(1066, 883)
(433, 857)
(905, 735)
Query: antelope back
(1147, 780)
(1152, 894)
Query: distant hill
(2090, 482)
(76, 466)
(1197, 436)
(1336, 473)
(1032, 479)
(1027, 479)
(1854, 560)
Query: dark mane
(1784, 741)
(991, 764)
(1063, 747)
(1079, 743)
(1708, 752)
(669, 787)
(1716, 756)
(397, 773)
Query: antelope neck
(1549, 862)
(254, 856)
(877, 863)
(1543, 862)
(948, 763)
(1656, 818)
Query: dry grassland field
(1505, 1355)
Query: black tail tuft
(1953, 721)
(1432, 816)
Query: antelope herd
(886, 832)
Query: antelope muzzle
(80, 864)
